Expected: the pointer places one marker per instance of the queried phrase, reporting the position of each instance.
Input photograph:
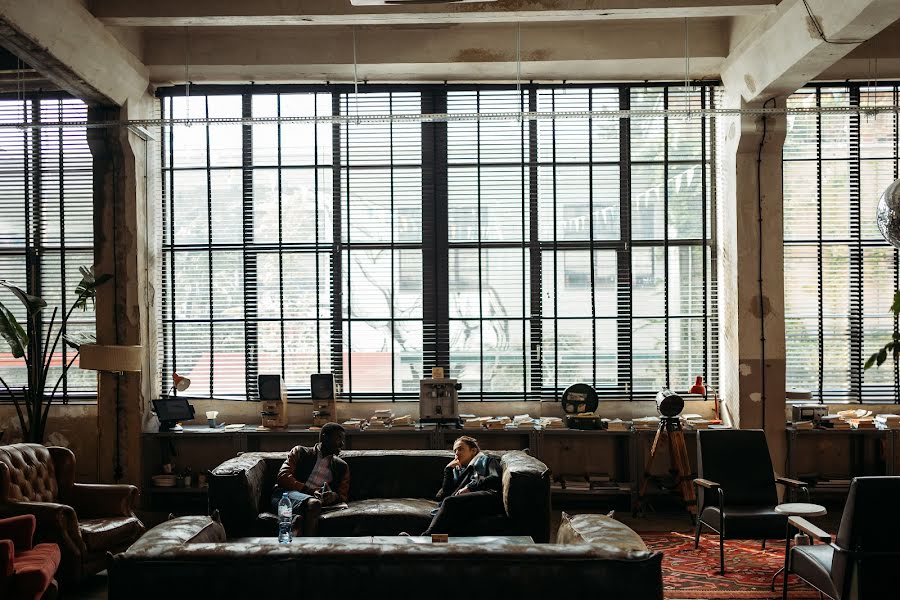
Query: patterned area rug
(689, 573)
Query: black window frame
(435, 244)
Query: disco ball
(888, 214)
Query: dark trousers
(456, 512)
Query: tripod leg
(682, 465)
(647, 465)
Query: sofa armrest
(56, 523)
(235, 489)
(526, 494)
(7, 554)
(100, 500)
(19, 530)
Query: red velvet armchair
(26, 572)
(85, 520)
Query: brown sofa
(190, 555)
(390, 491)
(85, 520)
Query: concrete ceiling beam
(65, 43)
(587, 51)
(216, 13)
(785, 50)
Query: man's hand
(327, 498)
(462, 490)
(452, 464)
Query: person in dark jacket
(471, 489)
(314, 477)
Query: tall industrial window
(840, 274)
(46, 225)
(524, 255)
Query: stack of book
(551, 423)
(597, 481)
(800, 425)
(617, 425)
(646, 423)
(522, 422)
(832, 485)
(377, 424)
(833, 422)
(864, 423)
(404, 421)
(497, 422)
(574, 482)
(888, 421)
(475, 423)
(355, 424)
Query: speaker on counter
(322, 386)
(270, 387)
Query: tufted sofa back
(27, 474)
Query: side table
(794, 509)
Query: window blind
(46, 225)
(523, 255)
(840, 274)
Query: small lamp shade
(698, 387)
(119, 359)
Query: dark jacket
(481, 475)
(298, 466)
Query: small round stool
(795, 509)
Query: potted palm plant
(32, 401)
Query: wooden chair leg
(764, 545)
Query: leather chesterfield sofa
(390, 491)
(85, 520)
(187, 555)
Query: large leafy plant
(32, 401)
(892, 347)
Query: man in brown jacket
(314, 477)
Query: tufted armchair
(85, 520)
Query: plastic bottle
(285, 513)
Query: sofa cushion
(378, 516)
(182, 530)
(526, 493)
(396, 473)
(108, 534)
(600, 530)
(35, 569)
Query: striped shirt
(321, 473)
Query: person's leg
(311, 513)
(455, 511)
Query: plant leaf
(87, 287)
(33, 304)
(12, 332)
(882, 356)
(895, 307)
(76, 340)
(871, 361)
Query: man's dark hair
(330, 429)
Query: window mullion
(251, 304)
(625, 359)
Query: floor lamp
(111, 359)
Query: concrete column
(752, 368)
(120, 248)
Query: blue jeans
(297, 499)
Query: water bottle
(285, 513)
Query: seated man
(471, 489)
(309, 474)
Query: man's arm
(286, 479)
(343, 486)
